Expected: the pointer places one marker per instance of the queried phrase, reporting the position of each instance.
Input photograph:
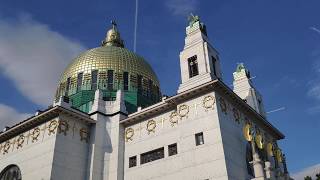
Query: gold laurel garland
(6, 147)
(223, 105)
(236, 115)
(183, 110)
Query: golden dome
(109, 68)
(109, 58)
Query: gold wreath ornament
(208, 102)
(6, 147)
(52, 127)
(35, 134)
(247, 132)
(183, 110)
(151, 125)
(259, 140)
(223, 105)
(84, 134)
(63, 127)
(236, 115)
(129, 134)
(20, 141)
(174, 118)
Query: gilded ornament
(183, 110)
(174, 118)
(129, 134)
(151, 125)
(259, 140)
(63, 127)
(247, 132)
(6, 147)
(236, 115)
(270, 149)
(223, 105)
(52, 127)
(84, 134)
(278, 155)
(35, 134)
(208, 102)
(20, 141)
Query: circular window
(11, 172)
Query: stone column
(257, 164)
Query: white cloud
(9, 116)
(309, 171)
(182, 7)
(33, 56)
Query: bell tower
(243, 87)
(199, 61)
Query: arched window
(249, 159)
(11, 172)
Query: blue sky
(279, 41)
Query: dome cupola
(109, 68)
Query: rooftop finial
(113, 37)
(193, 19)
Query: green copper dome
(109, 68)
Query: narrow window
(249, 159)
(193, 66)
(68, 86)
(132, 161)
(199, 139)
(79, 81)
(152, 155)
(172, 149)
(214, 60)
(110, 79)
(94, 79)
(150, 83)
(139, 84)
(125, 81)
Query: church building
(109, 121)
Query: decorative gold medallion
(129, 134)
(35, 134)
(259, 140)
(183, 110)
(270, 149)
(151, 125)
(6, 147)
(20, 141)
(208, 102)
(247, 132)
(52, 127)
(84, 134)
(236, 115)
(223, 105)
(174, 118)
(63, 127)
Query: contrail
(135, 28)
(315, 29)
(275, 110)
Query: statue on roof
(192, 19)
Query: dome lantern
(113, 37)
